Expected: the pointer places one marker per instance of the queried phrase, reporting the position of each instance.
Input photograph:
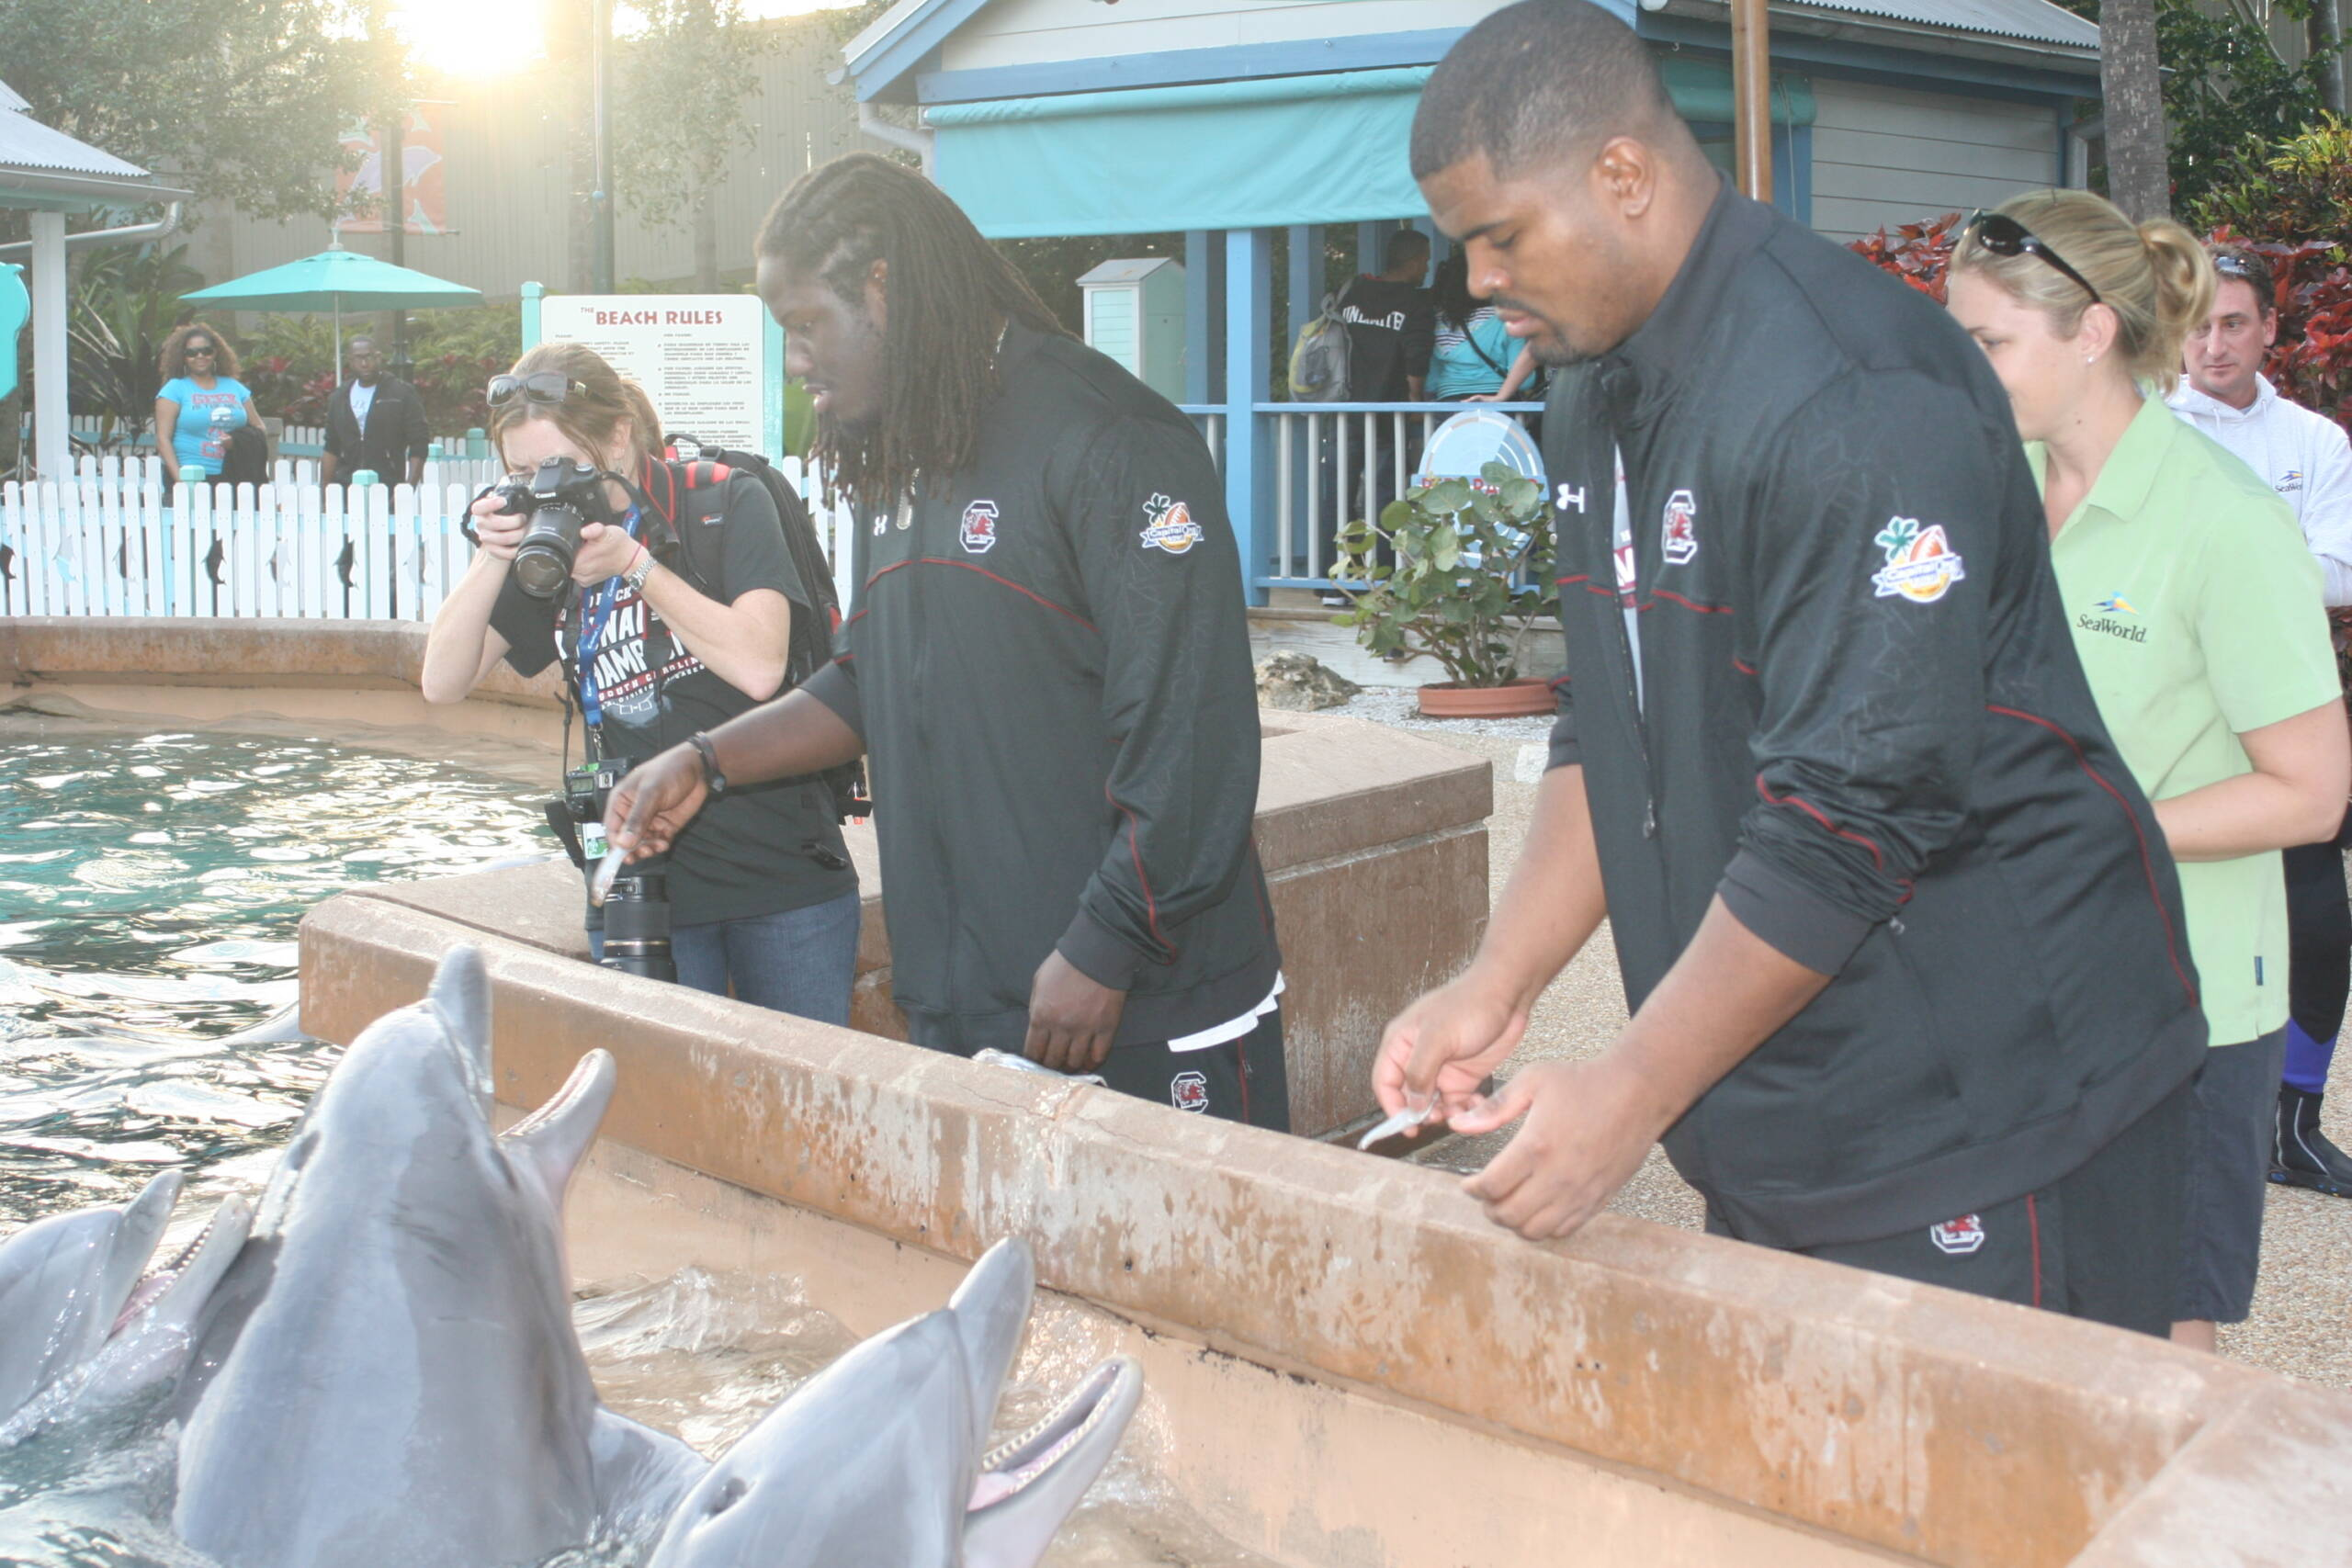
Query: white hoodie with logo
(2305, 456)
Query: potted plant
(1468, 574)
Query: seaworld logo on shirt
(2102, 618)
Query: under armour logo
(1568, 496)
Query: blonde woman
(662, 637)
(2196, 611)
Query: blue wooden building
(1255, 126)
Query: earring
(2090, 360)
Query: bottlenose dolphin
(881, 1461)
(392, 1376)
(86, 1312)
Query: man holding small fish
(1900, 936)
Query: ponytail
(2183, 275)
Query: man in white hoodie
(2306, 458)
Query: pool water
(151, 886)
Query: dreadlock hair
(949, 289)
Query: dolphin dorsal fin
(991, 1309)
(549, 1142)
(460, 993)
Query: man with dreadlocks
(1047, 668)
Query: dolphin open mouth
(1012, 1466)
(201, 1262)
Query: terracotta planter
(1522, 698)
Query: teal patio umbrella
(338, 280)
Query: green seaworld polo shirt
(2196, 610)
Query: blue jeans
(799, 960)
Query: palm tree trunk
(2138, 179)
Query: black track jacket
(1049, 661)
(1862, 722)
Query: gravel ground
(2303, 1308)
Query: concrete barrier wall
(1891, 1417)
(1373, 842)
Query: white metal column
(52, 444)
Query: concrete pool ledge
(1876, 1416)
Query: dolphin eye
(727, 1496)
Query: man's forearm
(793, 735)
(1727, 994)
(1554, 901)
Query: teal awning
(1246, 154)
(1263, 152)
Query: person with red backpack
(683, 607)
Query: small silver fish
(1020, 1063)
(608, 870)
(1409, 1117)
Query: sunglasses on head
(2233, 267)
(542, 386)
(2005, 236)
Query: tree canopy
(245, 99)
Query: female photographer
(656, 650)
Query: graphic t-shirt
(207, 419)
(758, 849)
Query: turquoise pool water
(149, 888)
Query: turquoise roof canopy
(1259, 152)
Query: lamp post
(600, 46)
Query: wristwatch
(635, 576)
(712, 779)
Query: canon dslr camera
(560, 499)
(637, 909)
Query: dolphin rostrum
(86, 1312)
(881, 1461)
(392, 1377)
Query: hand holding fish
(1445, 1044)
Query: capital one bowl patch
(1921, 565)
(1171, 528)
(978, 531)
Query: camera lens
(543, 560)
(637, 928)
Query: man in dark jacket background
(1047, 665)
(1392, 327)
(1901, 938)
(374, 421)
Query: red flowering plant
(1919, 254)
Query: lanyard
(592, 631)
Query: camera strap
(592, 632)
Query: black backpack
(812, 636)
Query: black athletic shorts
(2103, 1243)
(2233, 1117)
(1241, 1080)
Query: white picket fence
(117, 541)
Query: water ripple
(150, 887)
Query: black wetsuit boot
(2301, 1155)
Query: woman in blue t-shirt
(1474, 359)
(202, 402)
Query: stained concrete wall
(1373, 842)
(1900, 1422)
